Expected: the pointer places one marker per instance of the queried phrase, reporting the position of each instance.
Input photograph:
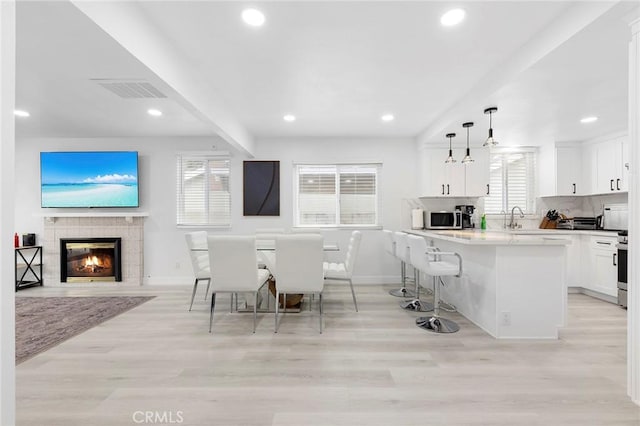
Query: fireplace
(90, 259)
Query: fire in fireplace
(90, 259)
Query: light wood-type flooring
(374, 367)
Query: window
(513, 182)
(337, 195)
(203, 190)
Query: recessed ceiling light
(21, 113)
(253, 17)
(589, 119)
(387, 117)
(154, 112)
(289, 118)
(452, 17)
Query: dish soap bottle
(483, 222)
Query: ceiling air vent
(131, 89)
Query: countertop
(496, 238)
(599, 232)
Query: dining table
(266, 255)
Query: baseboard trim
(594, 294)
(168, 281)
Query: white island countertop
(513, 286)
(495, 238)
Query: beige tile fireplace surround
(130, 229)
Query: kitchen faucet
(513, 224)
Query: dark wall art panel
(262, 188)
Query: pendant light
(490, 140)
(450, 158)
(467, 158)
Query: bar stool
(402, 253)
(431, 264)
(417, 249)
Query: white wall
(7, 164)
(166, 259)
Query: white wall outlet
(505, 318)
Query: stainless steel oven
(444, 220)
(622, 268)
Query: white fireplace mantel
(50, 217)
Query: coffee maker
(467, 215)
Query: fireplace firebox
(90, 259)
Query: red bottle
(16, 240)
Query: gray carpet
(43, 322)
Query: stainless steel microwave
(444, 220)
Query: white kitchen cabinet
(624, 185)
(603, 266)
(589, 168)
(440, 179)
(477, 174)
(611, 156)
(569, 171)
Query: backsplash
(588, 206)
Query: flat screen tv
(89, 179)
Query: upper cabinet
(585, 169)
(477, 174)
(612, 166)
(624, 186)
(589, 167)
(440, 179)
(569, 171)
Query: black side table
(28, 259)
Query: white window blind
(336, 195)
(203, 191)
(512, 181)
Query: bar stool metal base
(416, 305)
(402, 292)
(437, 324)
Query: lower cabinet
(603, 269)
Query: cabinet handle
(611, 184)
(574, 188)
(614, 259)
(603, 242)
(447, 189)
(618, 184)
(487, 189)
(443, 189)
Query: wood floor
(368, 368)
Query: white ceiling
(336, 65)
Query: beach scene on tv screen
(89, 179)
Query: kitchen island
(512, 286)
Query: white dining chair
(343, 271)
(402, 254)
(197, 245)
(300, 268)
(234, 269)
